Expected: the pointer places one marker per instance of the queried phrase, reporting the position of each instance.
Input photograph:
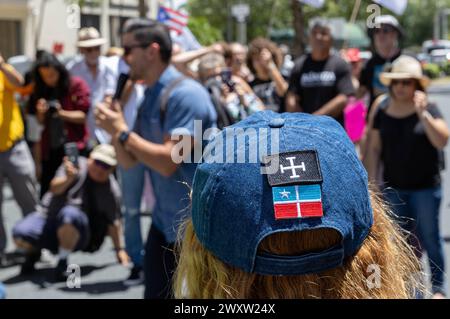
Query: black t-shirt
(318, 82)
(370, 75)
(266, 91)
(410, 160)
(100, 202)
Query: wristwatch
(123, 137)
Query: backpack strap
(165, 95)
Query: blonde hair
(201, 275)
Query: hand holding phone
(71, 151)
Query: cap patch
(301, 167)
(296, 186)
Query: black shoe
(136, 277)
(30, 259)
(61, 270)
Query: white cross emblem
(284, 194)
(293, 167)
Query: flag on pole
(175, 20)
(396, 6)
(186, 40)
(173, 13)
(314, 3)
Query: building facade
(27, 25)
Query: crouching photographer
(80, 210)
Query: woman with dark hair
(61, 103)
(265, 60)
(407, 137)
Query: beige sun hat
(405, 67)
(89, 37)
(104, 153)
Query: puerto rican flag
(299, 201)
(175, 20)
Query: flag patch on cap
(301, 167)
(300, 201)
(296, 185)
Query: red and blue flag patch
(300, 201)
(296, 186)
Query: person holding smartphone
(81, 208)
(407, 137)
(230, 93)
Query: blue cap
(319, 183)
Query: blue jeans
(132, 185)
(418, 213)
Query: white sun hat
(405, 67)
(89, 37)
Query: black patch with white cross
(299, 167)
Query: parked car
(440, 56)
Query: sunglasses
(102, 165)
(402, 82)
(93, 49)
(127, 49)
(384, 30)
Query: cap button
(276, 123)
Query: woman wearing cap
(307, 229)
(407, 138)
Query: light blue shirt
(102, 85)
(188, 101)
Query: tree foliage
(417, 20)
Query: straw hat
(89, 37)
(405, 67)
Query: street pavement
(101, 276)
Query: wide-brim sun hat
(405, 67)
(89, 37)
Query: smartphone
(226, 76)
(71, 151)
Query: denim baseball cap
(319, 182)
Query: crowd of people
(99, 126)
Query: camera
(52, 106)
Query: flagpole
(355, 12)
(356, 8)
(153, 9)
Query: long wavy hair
(42, 90)
(257, 45)
(201, 275)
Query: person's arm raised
(13, 77)
(435, 128)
